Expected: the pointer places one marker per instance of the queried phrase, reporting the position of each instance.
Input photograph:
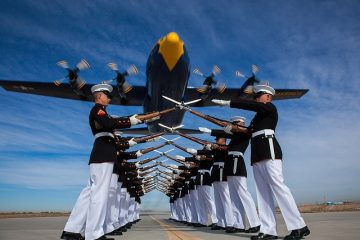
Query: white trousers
(223, 205)
(269, 184)
(194, 206)
(243, 203)
(116, 215)
(180, 209)
(89, 212)
(187, 207)
(207, 205)
(123, 211)
(112, 206)
(137, 211)
(131, 210)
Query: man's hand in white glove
(134, 120)
(137, 165)
(191, 150)
(205, 130)
(139, 154)
(221, 102)
(180, 157)
(208, 146)
(132, 142)
(228, 129)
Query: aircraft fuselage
(167, 73)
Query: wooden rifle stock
(181, 148)
(194, 139)
(174, 159)
(148, 160)
(148, 167)
(148, 116)
(148, 137)
(146, 150)
(221, 123)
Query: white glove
(134, 120)
(180, 157)
(221, 102)
(137, 164)
(198, 157)
(139, 154)
(191, 150)
(227, 129)
(132, 142)
(205, 130)
(208, 146)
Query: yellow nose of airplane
(171, 48)
(173, 37)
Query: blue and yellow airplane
(167, 73)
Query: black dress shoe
(199, 225)
(115, 232)
(212, 225)
(298, 233)
(216, 227)
(104, 238)
(234, 230)
(71, 236)
(122, 229)
(253, 229)
(263, 237)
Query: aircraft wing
(234, 93)
(134, 98)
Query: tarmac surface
(323, 226)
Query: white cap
(264, 88)
(238, 119)
(101, 87)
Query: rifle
(148, 167)
(181, 148)
(148, 137)
(217, 121)
(174, 159)
(194, 139)
(152, 116)
(147, 160)
(146, 150)
(146, 173)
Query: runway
(156, 226)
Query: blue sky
(45, 142)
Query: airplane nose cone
(172, 37)
(171, 48)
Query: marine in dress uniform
(204, 187)
(266, 159)
(88, 215)
(222, 199)
(236, 174)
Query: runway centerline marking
(174, 234)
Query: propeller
(209, 81)
(254, 70)
(123, 85)
(73, 75)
